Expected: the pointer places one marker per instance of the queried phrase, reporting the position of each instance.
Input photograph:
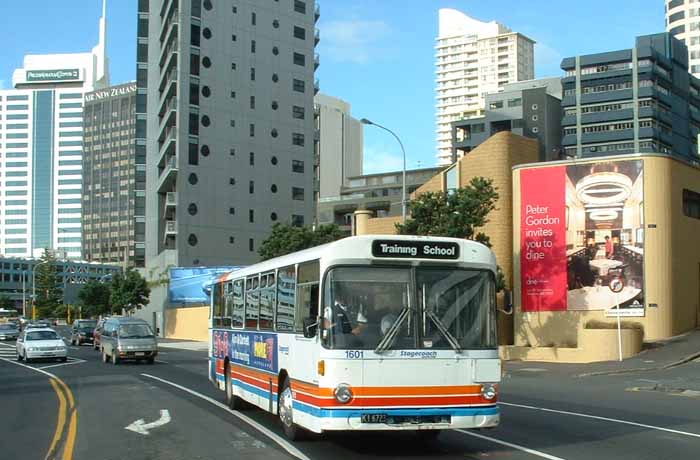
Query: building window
(276, 24)
(231, 181)
(231, 240)
(205, 150)
(252, 158)
(535, 107)
(273, 132)
(273, 160)
(252, 46)
(275, 52)
(496, 105)
(233, 123)
(298, 193)
(251, 215)
(233, 95)
(252, 130)
(299, 6)
(275, 105)
(205, 121)
(193, 154)
(251, 244)
(252, 73)
(535, 129)
(273, 216)
(251, 187)
(192, 209)
(252, 102)
(297, 220)
(298, 112)
(232, 211)
(691, 203)
(300, 33)
(232, 152)
(233, 37)
(252, 18)
(233, 66)
(207, 5)
(535, 118)
(206, 91)
(298, 85)
(517, 102)
(273, 188)
(192, 239)
(192, 179)
(298, 139)
(206, 62)
(297, 166)
(299, 59)
(206, 33)
(275, 78)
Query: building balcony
(167, 148)
(170, 230)
(168, 118)
(317, 87)
(171, 13)
(168, 52)
(317, 36)
(317, 12)
(170, 203)
(168, 176)
(167, 80)
(317, 61)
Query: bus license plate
(373, 418)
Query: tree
(129, 290)
(6, 302)
(457, 214)
(286, 238)
(49, 294)
(94, 298)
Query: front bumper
(138, 354)
(85, 339)
(8, 336)
(46, 354)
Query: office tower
(41, 148)
(635, 100)
(473, 58)
(340, 144)
(114, 179)
(229, 127)
(683, 22)
(529, 108)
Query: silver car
(128, 338)
(8, 332)
(41, 343)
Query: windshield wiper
(391, 334)
(443, 330)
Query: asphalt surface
(546, 413)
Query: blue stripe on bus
(354, 412)
(254, 389)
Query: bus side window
(307, 293)
(238, 304)
(252, 303)
(228, 304)
(286, 287)
(267, 297)
(217, 293)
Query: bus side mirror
(507, 302)
(310, 326)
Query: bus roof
(359, 248)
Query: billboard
(581, 229)
(52, 75)
(192, 286)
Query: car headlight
(489, 391)
(83, 334)
(343, 393)
(31, 349)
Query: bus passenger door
(307, 300)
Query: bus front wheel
(232, 401)
(286, 412)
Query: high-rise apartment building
(114, 179)
(474, 58)
(228, 119)
(683, 22)
(635, 100)
(340, 144)
(42, 150)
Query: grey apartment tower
(114, 179)
(636, 100)
(225, 114)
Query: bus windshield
(383, 308)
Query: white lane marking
(511, 445)
(70, 361)
(277, 439)
(142, 428)
(161, 361)
(606, 419)
(11, 361)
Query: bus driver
(339, 319)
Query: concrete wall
(187, 323)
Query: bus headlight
(343, 393)
(489, 391)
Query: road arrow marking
(142, 428)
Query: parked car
(128, 338)
(9, 331)
(82, 331)
(97, 333)
(37, 325)
(41, 343)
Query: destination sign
(415, 249)
(53, 75)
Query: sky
(376, 55)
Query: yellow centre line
(61, 418)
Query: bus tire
(285, 410)
(232, 401)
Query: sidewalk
(178, 344)
(664, 354)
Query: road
(81, 408)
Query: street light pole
(365, 121)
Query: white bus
(365, 333)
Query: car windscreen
(135, 331)
(87, 326)
(7, 327)
(42, 335)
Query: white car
(41, 343)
